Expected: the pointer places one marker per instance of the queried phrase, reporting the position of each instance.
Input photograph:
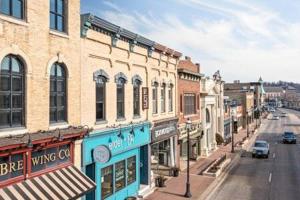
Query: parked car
(260, 149)
(289, 137)
(283, 114)
(275, 117)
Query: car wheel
(267, 156)
(253, 155)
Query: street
(275, 178)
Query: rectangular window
(189, 104)
(163, 99)
(120, 175)
(14, 8)
(57, 15)
(120, 101)
(171, 99)
(136, 100)
(154, 100)
(106, 182)
(100, 101)
(131, 170)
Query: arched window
(170, 92)
(12, 92)
(100, 97)
(137, 82)
(121, 98)
(207, 116)
(163, 98)
(154, 98)
(58, 97)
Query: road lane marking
(270, 177)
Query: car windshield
(260, 144)
(288, 134)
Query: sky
(244, 39)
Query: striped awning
(62, 184)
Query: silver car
(260, 149)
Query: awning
(67, 183)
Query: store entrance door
(144, 167)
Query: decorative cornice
(120, 75)
(101, 72)
(137, 78)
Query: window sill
(136, 116)
(101, 122)
(191, 115)
(59, 34)
(58, 125)
(121, 119)
(13, 131)
(13, 20)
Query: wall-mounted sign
(145, 98)
(101, 154)
(164, 131)
(16, 165)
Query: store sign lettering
(121, 143)
(164, 131)
(14, 165)
(6, 168)
(44, 159)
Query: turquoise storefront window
(107, 181)
(131, 170)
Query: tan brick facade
(39, 47)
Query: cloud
(244, 41)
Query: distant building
(212, 112)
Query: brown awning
(67, 183)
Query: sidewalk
(175, 187)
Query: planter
(215, 169)
(160, 181)
(175, 172)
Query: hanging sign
(101, 154)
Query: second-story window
(100, 98)
(14, 8)
(58, 100)
(189, 104)
(12, 92)
(121, 98)
(136, 97)
(163, 98)
(58, 15)
(154, 98)
(171, 98)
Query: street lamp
(233, 122)
(188, 190)
(247, 124)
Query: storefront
(41, 166)
(227, 129)
(163, 145)
(117, 160)
(195, 141)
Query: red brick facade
(188, 84)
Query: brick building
(189, 78)
(40, 99)
(128, 81)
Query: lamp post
(188, 189)
(233, 118)
(247, 124)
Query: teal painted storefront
(119, 176)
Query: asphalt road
(275, 178)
